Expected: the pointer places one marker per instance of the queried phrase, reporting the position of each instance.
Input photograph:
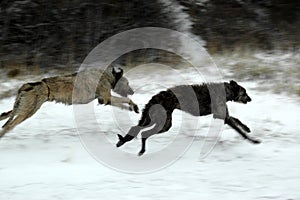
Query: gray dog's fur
(78, 88)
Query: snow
(44, 158)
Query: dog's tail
(145, 119)
(164, 98)
(5, 115)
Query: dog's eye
(242, 92)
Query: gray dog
(88, 85)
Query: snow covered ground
(43, 158)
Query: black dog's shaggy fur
(197, 100)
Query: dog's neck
(114, 81)
(111, 78)
(229, 92)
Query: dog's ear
(233, 83)
(117, 74)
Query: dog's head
(238, 93)
(121, 85)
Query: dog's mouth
(242, 101)
(124, 93)
(127, 94)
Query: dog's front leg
(243, 126)
(235, 123)
(107, 101)
(117, 101)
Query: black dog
(197, 100)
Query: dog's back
(193, 99)
(60, 88)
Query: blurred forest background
(62, 32)
(40, 34)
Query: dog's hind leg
(167, 123)
(154, 129)
(145, 135)
(5, 115)
(11, 124)
(161, 121)
(14, 121)
(132, 133)
(28, 101)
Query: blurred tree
(60, 32)
(229, 24)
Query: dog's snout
(249, 99)
(130, 91)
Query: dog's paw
(255, 141)
(136, 108)
(247, 129)
(121, 141)
(141, 153)
(130, 108)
